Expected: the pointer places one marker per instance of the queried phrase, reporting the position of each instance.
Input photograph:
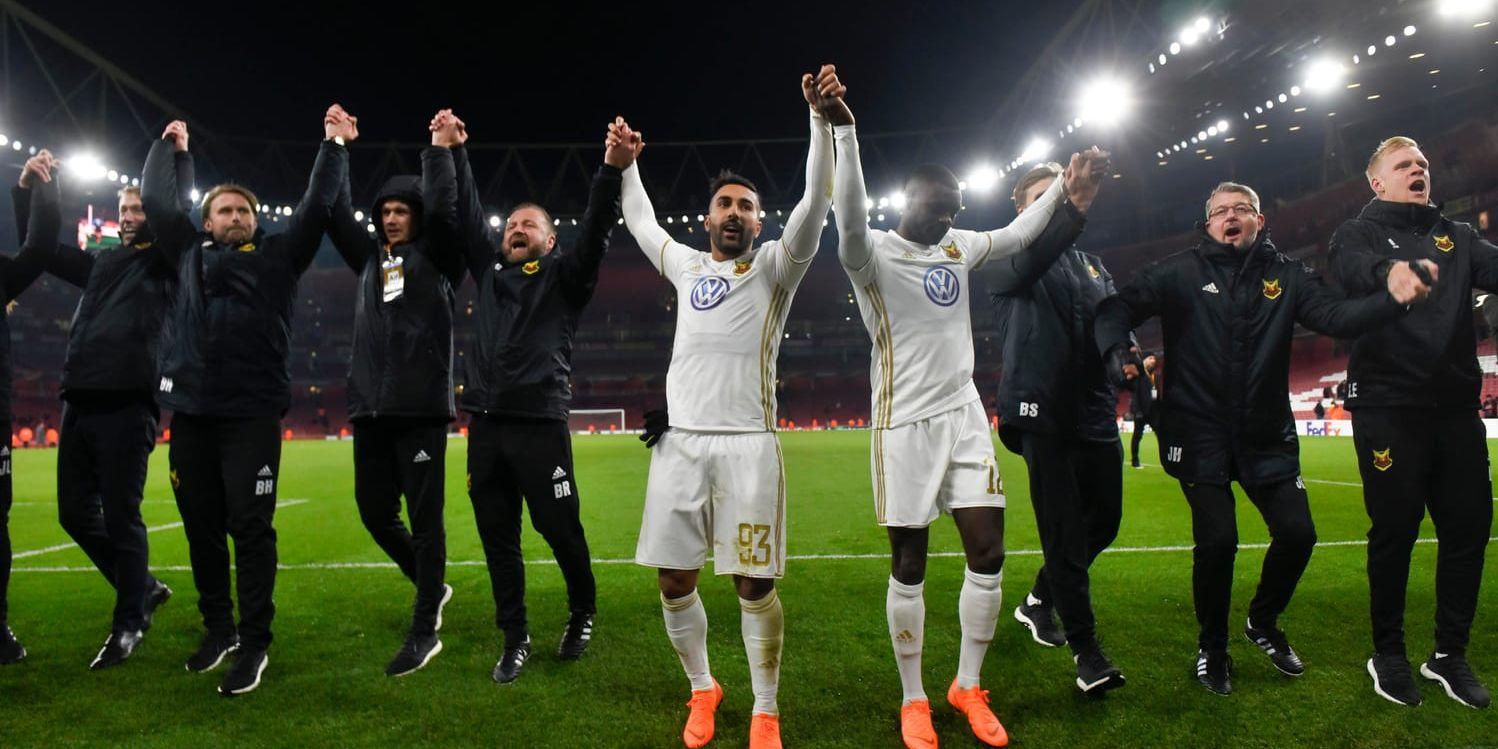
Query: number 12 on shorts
(754, 545)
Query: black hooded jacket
(1429, 357)
(127, 290)
(1044, 301)
(521, 362)
(17, 274)
(1228, 317)
(403, 346)
(224, 347)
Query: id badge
(395, 277)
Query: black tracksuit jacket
(224, 347)
(17, 273)
(1429, 357)
(403, 349)
(1228, 317)
(521, 362)
(127, 290)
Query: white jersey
(914, 297)
(730, 314)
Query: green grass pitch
(338, 625)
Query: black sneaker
(575, 637)
(159, 594)
(212, 652)
(1392, 679)
(244, 675)
(118, 647)
(414, 654)
(1041, 621)
(512, 662)
(447, 595)
(1212, 671)
(1095, 673)
(1272, 641)
(1454, 673)
(10, 648)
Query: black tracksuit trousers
(1076, 489)
(5, 501)
(1214, 527)
(510, 459)
(224, 474)
(101, 475)
(1410, 460)
(392, 457)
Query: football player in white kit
(717, 481)
(932, 448)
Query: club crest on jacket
(530, 268)
(1444, 243)
(1272, 288)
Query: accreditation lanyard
(392, 271)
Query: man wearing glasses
(1229, 307)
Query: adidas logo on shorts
(558, 474)
(265, 471)
(421, 457)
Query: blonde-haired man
(1413, 391)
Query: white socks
(978, 611)
(763, 623)
(686, 625)
(905, 608)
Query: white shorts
(935, 465)
(723, 490)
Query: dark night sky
(557, 71)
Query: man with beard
(1413, 391)
(716, 479)
(1229, 307)
(224, 374)
(1057, 410)
(16, 274)
(109, 413)
(400, 385)
(932, 451)
(531, 292)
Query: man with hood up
(1229, 307)
(400, 385)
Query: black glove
(656, 424)
(1118, 357)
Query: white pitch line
(30, 503)
(152, 529)
(796, 557)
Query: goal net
(596, 421)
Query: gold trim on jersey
(661, 257)
(879, 489)
(779, 506)
(884, 394)
(779, 298)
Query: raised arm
(160, 196)
(441, 209)
(639, 218)
(44, 222)
(66, 261)
(304, 230)
(850, 203)
(583, 260)
(351, 239)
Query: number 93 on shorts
(718, 492)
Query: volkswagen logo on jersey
(708, 292)
(942, 286)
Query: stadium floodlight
(1202, 25)
(1162, 59)
(124, 180)
(495, 221)
(135, 181)
(1283, 98)
(1324, 75)
(86, 167)
(1105, 101)
(897, 200)
(113, 175)
(1222, 126)
(1389, 40)
(1295, 90)
(3, 140)
(1189, 35)
(358, 215)
(1409, 31)
(883, 202)
(196, 196)
(1462, 8)
(983, 178)
(15, 144)
(370, 228)
(1035, 150)
(1175, 48)
(670, 220)
(1212, 131)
